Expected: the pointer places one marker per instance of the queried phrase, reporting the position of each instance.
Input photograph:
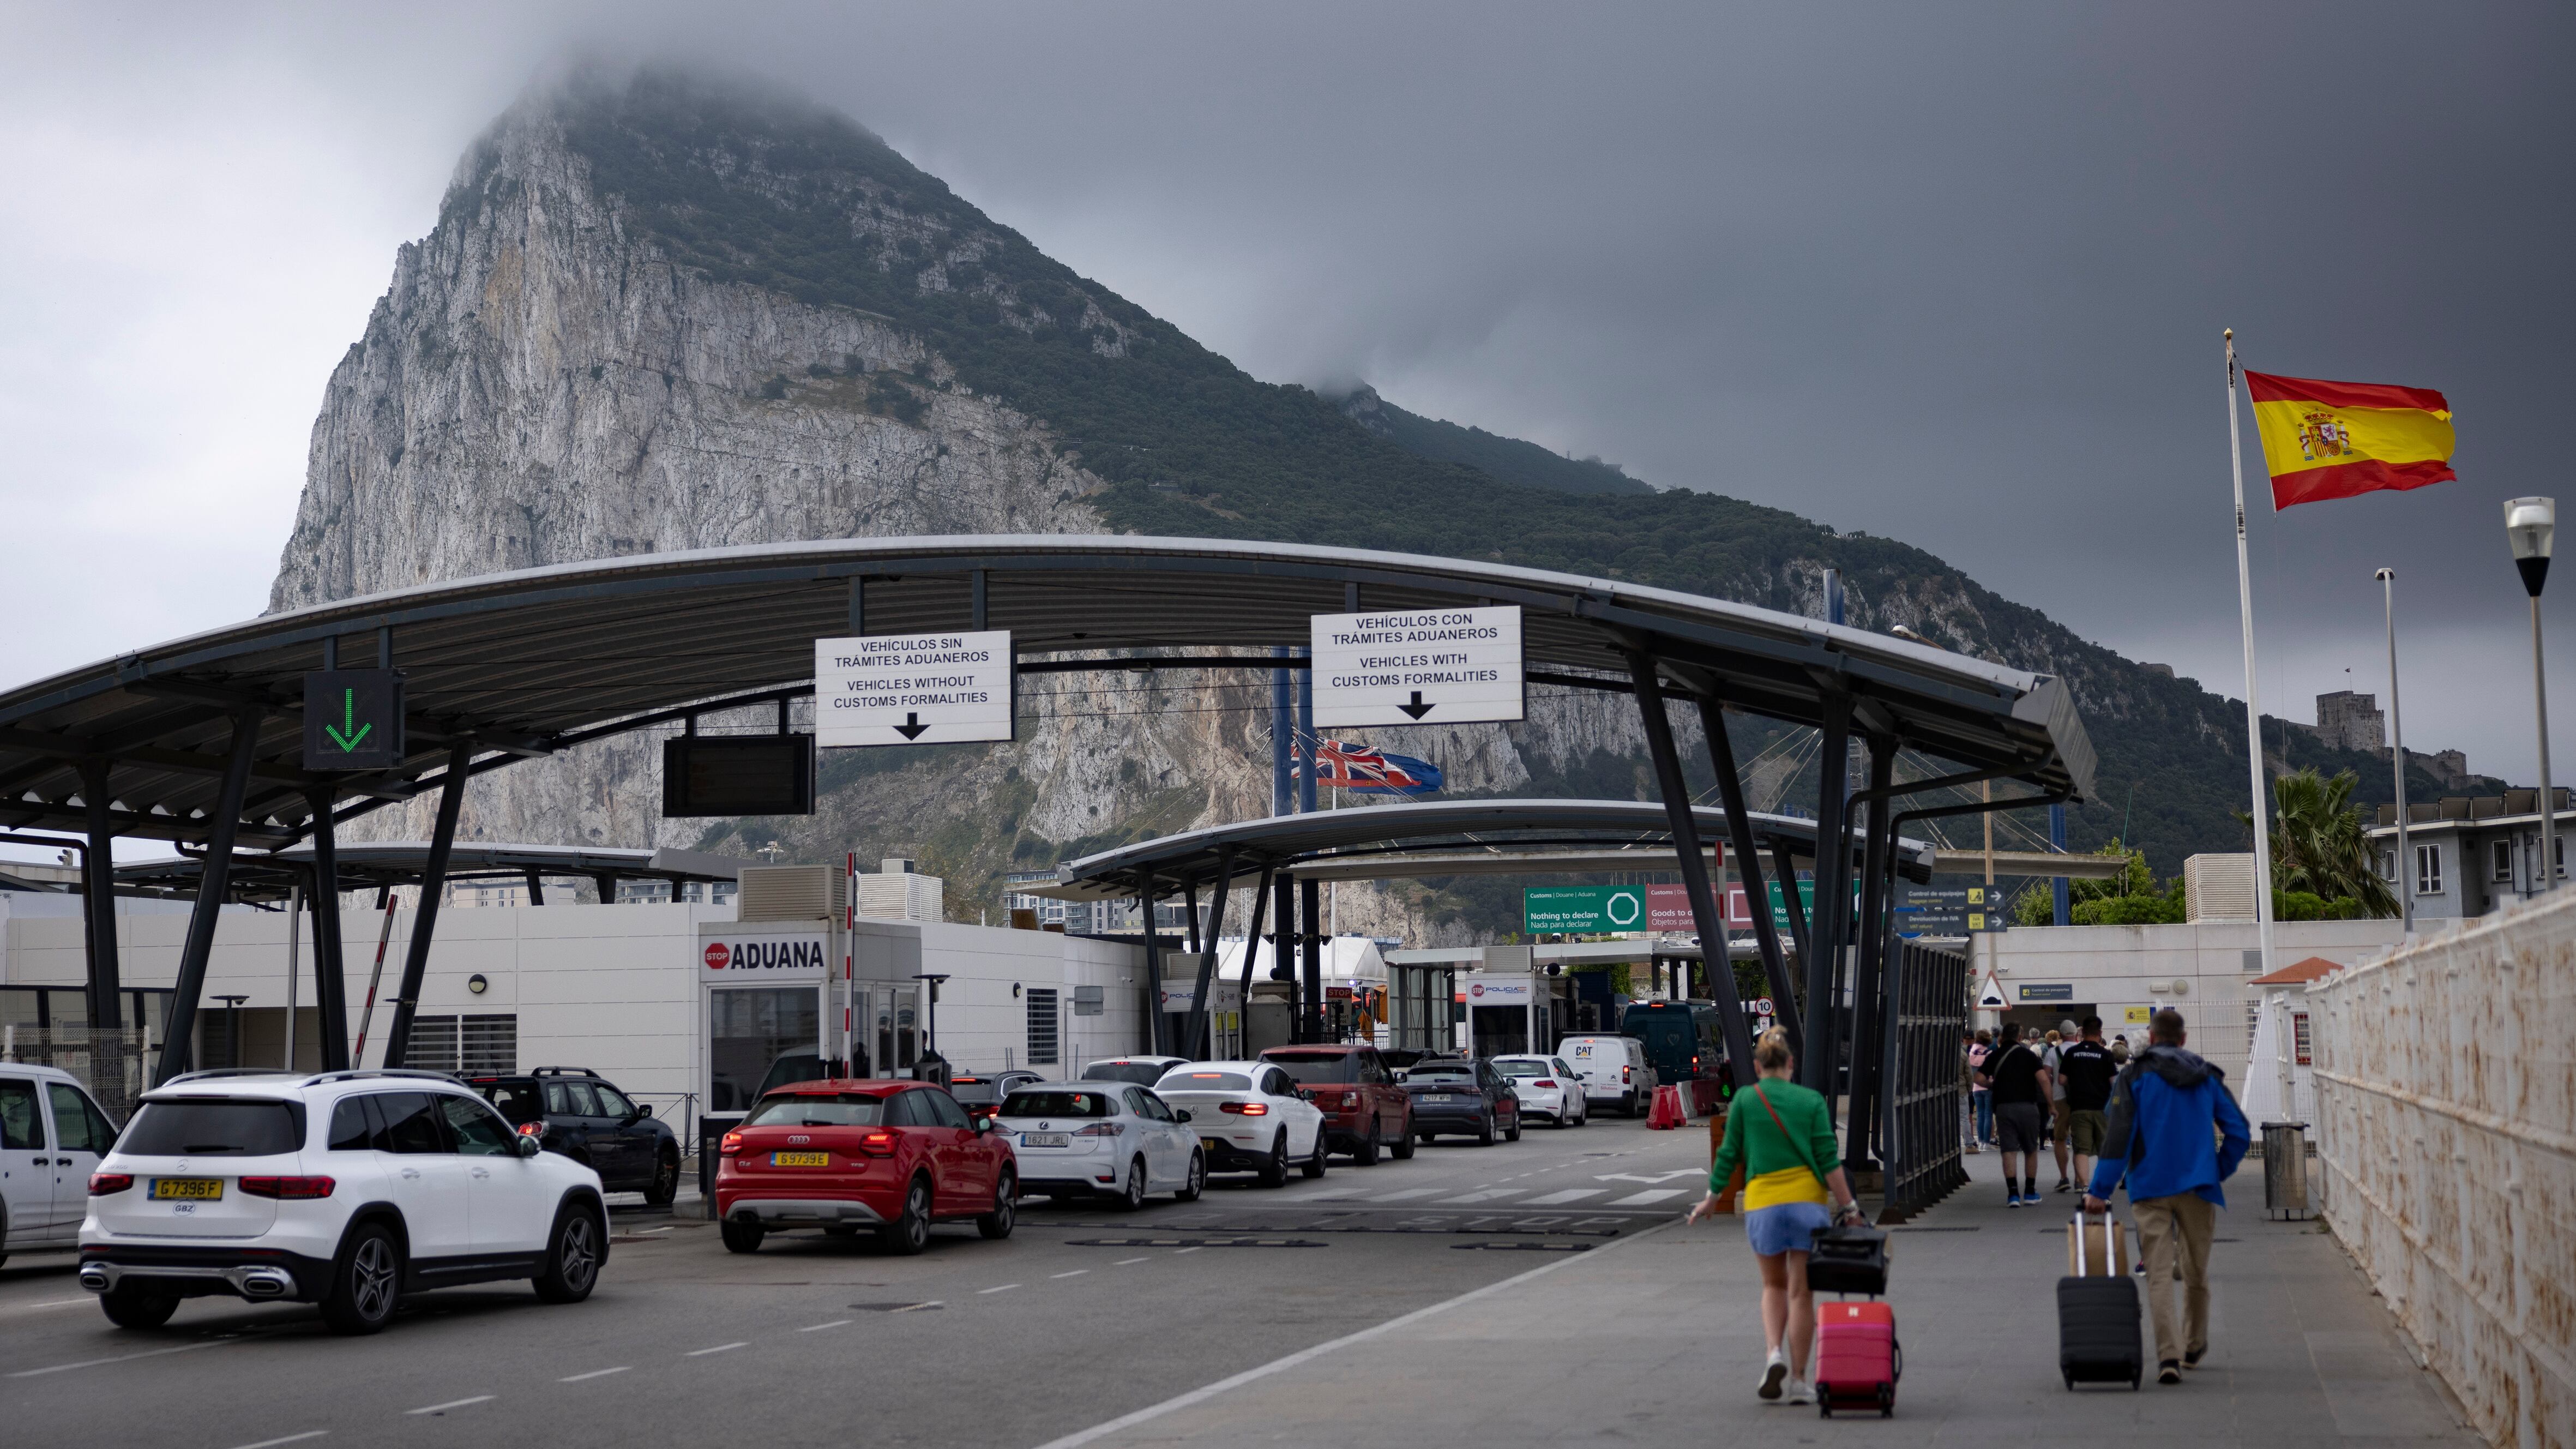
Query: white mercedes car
(1547, 1088)
(1249, 1118)
(344, 1189)
(1111, 1138)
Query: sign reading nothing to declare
(1417, 666)
(912, 689)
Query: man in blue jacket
(2169, 1110)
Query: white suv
(346, 1189)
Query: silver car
(1112, 1138)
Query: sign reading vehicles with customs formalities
(1417, 666)
(912, 689)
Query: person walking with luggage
(1781, 1135)
(2085, 1068)
(2019, 1085)
(2167, 1105)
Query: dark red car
(848, 1157)
(1364, 1109)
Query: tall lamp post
(2532, 526)
(2397, 754)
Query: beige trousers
(2174, 1231)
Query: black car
(1462, 1098)
(577, 1113)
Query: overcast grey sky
(1953, 274)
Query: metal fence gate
(1919, 1136)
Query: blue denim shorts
(1787, 1227)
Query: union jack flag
(1365, 771)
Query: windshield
(847, 1110)
(1059, 1103)
(1310, 1068)
(1441, 1071)
(1205, 1082)
(973, 1089)
(1523, 1069)
(517, 1100)
(212, 1129)
(1143, 1074)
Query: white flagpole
(2253, 701)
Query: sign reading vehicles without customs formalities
(912, 689)
(1417, 666)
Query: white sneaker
(1801, 1392)
(1773, 1373)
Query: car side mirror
(529, 1146)
(982, 1124)
(643, 1110)
(1180, 1114)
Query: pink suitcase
(1857, 1360)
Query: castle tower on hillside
(2350, 721)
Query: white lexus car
(343, 1189)
(1249, 1118)
(1112, 1138)
(1547, 1087)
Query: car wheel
(742, 1235)
(1513, 1133)
(572, 1257)
(1196, 1182)
(1403, 1148)
(1313, 1166)
(1005, 1215)
(366, 1282)
(1131, 1194)
(666, 1179)
(909, 1233)
(1628, 1105)
(1485, 1131)
(1274, 1168)
(1366, 1156)
(129, 1306)
(1558, 1122)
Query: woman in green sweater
(1783, 1138)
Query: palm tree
(2319, 844)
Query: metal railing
(1919, 1125)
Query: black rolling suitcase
(2098, 1330)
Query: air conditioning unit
(2218, 888)
(792, 893)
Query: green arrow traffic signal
(348, 732)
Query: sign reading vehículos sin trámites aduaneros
(750, 954)
(912, 689)
(1417, 666)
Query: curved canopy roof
(361, 865)
(1340, 844)
(527, 663)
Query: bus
(1682, 1038)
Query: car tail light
(289, 1188)
(879, 1143)
(1350, 1099)
(1627, 1075)
(103, 1183)
(731, 1145)
(1245, 1109)
(1102, 1129)
(532, 1129)
(1543, 1082)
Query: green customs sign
(353, 719)
(1583, 910)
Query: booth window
(2500, 856)
(1042, 1026)
(2428, 870)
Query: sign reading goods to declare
(912, 689)
(1418, 666)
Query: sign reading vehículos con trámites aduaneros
(763, 954)
(1417, 666)
(912, 689)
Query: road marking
(289, 1439)
(1410, 1192)
(1640, 1199)
(914, 1307)
(1005, 1288)
(451, 1404)
(1327, 1195)
(1572, 1194)
(68, 1302)
(1076, 1273)
(719, 1348)
(1486, 1196)
(1184, 1250)
(593, 1374)
(1643, 1177)
(835, 1323)
(62, 1368)
(1205, 1392)
(1123, 1262)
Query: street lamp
(2532, 526)
(2397, 756)
(930, 1036)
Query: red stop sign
(717, 955)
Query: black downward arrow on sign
(1418, 709)
(911, 727)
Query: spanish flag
(2338, 439)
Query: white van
(51, 1138)
(1614, 1070)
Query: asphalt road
(1085, 1314)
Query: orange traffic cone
(1666, 1114)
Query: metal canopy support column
(536, 887)
(1867, 1012)
(1202, 1004)
(98, 891)
(1785, 870)
(1748, 866)
(1190, 903)
(1694, 867)
(1157, 1027)
(1283, 942)
(1310, 910)
(424, 924)
(179, 1032)
(330, 965)
(1819, 1049)
(1252, 944)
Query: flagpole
(2253, 701)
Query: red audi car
(887, 1157)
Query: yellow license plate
(800, 1159)
(198, 1188)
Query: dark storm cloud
(1951, 274)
